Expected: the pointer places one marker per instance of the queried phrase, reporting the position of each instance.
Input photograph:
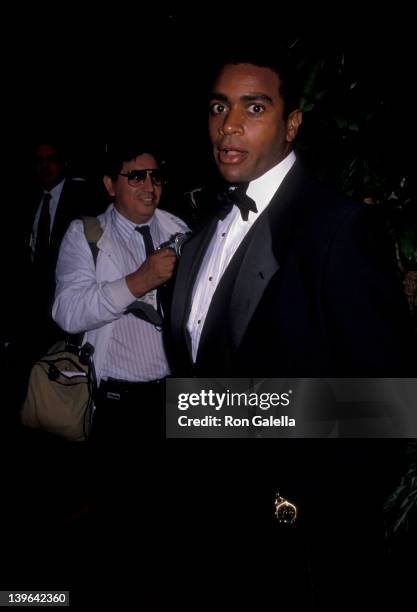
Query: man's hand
(155, 271)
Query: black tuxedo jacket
(311, 291)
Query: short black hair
(277, 59)
(119, 152)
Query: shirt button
(210, 278)
(224, 234)
(199, 321)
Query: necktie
(147, 239)
(235, 195)
(42, 235)
(141, 309)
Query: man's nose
(233, 123)
(148, 183)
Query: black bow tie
(235, 195)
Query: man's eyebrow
(215, 95)
(256, 96)
(249, 97)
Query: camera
(176, 242)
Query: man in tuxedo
(304, 285)
(288, 279)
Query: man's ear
(294, 121)
(108, 183)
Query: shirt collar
(263, 188)
(56, 191)
(126, 226)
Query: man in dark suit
(287, 280)
(57, 201)
(304, 286)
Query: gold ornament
(285, 511)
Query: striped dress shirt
(135, 351)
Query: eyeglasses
(136, 177)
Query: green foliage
(401, 507)
(408, 244)
(349, 136)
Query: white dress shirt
(228, 235)
(94, 298)
(135, 351)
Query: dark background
(88, 79)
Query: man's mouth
(231, 155)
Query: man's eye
(216, 108)
(256, 109)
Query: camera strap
(93, 233)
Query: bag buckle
(86, 353)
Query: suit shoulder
(330, 218)
(329, 209)
(76, 185)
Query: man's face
(246, 122)
(135, 202)
(49, 166)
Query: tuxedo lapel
(256, 261)
(188, 268)
(258, 266)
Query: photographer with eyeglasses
(118, 301)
